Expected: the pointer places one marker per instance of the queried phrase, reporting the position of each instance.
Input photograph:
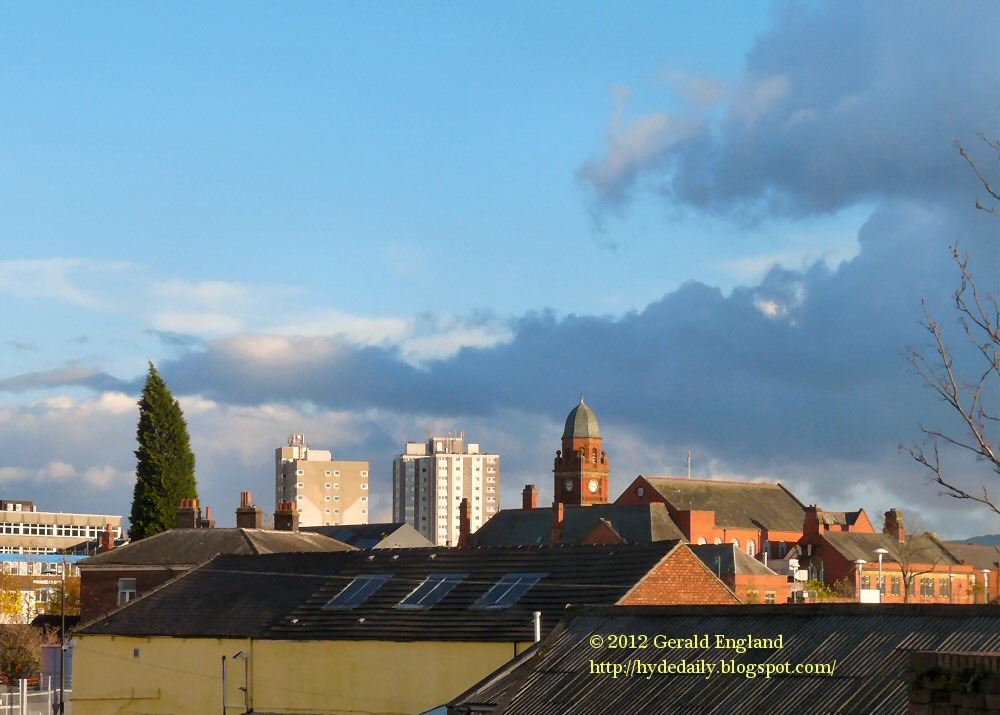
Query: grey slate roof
(189, 547)
(730, 559)
(372, 536)
(581, 423)
(745, 505)
(281, 596)
(870, 646)
(525, 527)
(978, 556)
(917, 549)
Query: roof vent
(371, 557)
(432, 556)
(361, 620)
(395, 556)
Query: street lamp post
(859, 563)
(881, 584)
(986, 585)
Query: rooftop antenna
(689, 464)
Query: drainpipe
(538, 626)
(223, 685)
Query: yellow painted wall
(184, 676)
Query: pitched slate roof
(372, 536)
(282, 596)
(737, 505)
(839, 518)
(189, 547)
(917, 549)
(525, 527)
(870, 646)
(730, 559)
(979, 556)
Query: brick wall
(954, 683)
(680, 578)
(99, 588)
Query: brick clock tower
(580, 471)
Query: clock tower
(580, 471)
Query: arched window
(717, 541)
(594, 457)
(751, 548)
(767, 548)
(736, 543)
(782, 549)
(702, 540)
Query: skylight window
(357, 591)
(508, 590)
(432, 590)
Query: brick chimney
(285, 517)
(188, 514)
(107, 540)
(894, 525)
(558, 516)
(811, 524)
(464, 523)
(529, 497)
(208, 522)
(248, 516)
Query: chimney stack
(248, 516)
(529, 497)
(558, 516)
(894, 525)
(811, 524)
(208, 522)
(286, 518)
(464, 523)
(107, 540)
(188, 514)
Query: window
(491, 470)
(782, 549)
(881, 585)
(335, 498)
(718, 540)
(328, 485)
(508, 590)
(364, 498)
(336, 485)
(702, 540)
(945, 589)
(336, 511)
(910, 587)
(769, 597)
(927, 587)
(894, 584)
(300, 485)
(336, 472)
(327, 473)
(364, 511)
(736, 543)
(751, 548)
(752, 596)
(364, 474)
(299, 472)
(365, 485)
(326, 511)
(126, 590)
(326, 498)
(357, 591)
(432, 590)
(866, 582)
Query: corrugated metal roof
(870, 644)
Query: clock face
(593, 486)
(568, 485)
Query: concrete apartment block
(325, 491)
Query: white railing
(38, 698)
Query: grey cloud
(839, 103)
(64, 376)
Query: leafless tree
(974, 401)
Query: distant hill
(987, 540)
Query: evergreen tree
(164, 472)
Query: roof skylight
(357, 591)
(432, 590)
(508, 590)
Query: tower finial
(581, 398)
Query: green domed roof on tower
(581, 423)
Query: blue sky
(364, 221)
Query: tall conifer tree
(164, 472)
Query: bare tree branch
(974, 403)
